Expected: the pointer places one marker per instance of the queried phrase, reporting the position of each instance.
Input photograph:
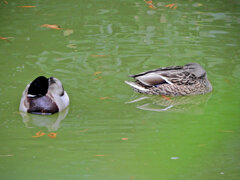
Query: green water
(197, 138)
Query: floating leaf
(103, 98)
(26, 6)
(99, 77)
(173, 5)
(3, 38)
(39, 134)
(51, 26)
(166, 98)
(67, 32)
(124, 139)
(52, 135)
(150, 4)
(73, 46)
(96, 73)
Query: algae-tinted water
(101, 135)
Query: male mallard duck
(190, 79)
(44, 96)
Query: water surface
(101, 136)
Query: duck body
(44, 96)
(190, 79)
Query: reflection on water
(172, 104)
(51, 122)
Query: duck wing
(187, 75)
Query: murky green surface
(198, 138)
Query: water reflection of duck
(190, 79)
(173, 104)
(44, 96)
(52, 123)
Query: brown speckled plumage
(190, 79)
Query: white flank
(136, 86)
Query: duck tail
(137, 87)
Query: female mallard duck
(190, 79)
(44, 96)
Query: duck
(44, 96)
(186, 80)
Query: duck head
(44, 96)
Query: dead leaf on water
(166, 98)
(150, 4)
(52, 135)
(39, 134)
(51, 26)
(104, 98)
(99, 77)
(124, 139)
(171, 6)
(73, 46)
(96, 73)
(68, 32)
(26, 6)
(5, 2)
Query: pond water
(101, 135)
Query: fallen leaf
(51, 26)
(73, 46)
(5, 2)
(39, 134)
(96, 73)
(103, 98)
(67, 32)
(52, 135)
(124, 139)
(173, 5)
(99, 77)
(132, 178)
(150, 4)
(26, 6)
(166, 98)
(3, 38)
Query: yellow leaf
(96, 73)
(67, 32)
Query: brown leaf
(103, 98)
(51, 26)
(124, 139)
(26, 6)
(68, 32)
(96, 73)
(39, 134)
(52, 135)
